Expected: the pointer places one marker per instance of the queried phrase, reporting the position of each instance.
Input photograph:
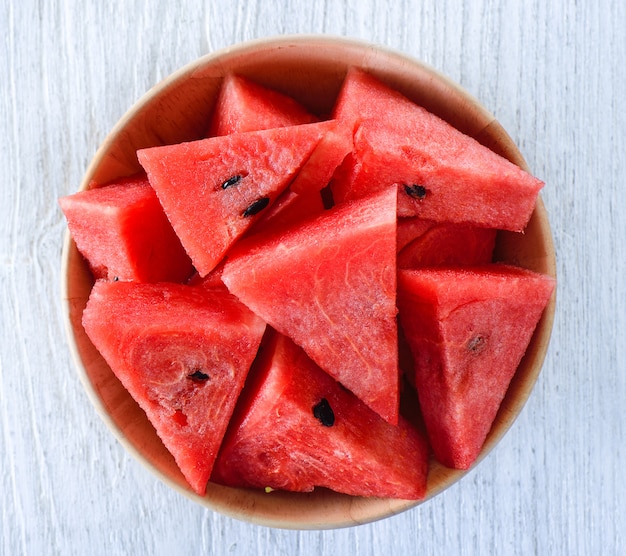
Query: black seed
(232, 181)
(415, 191)
(256, 207)
(324, 413)
(198, 376)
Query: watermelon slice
(330, 284)
(214, 189)
(449, 244)
(296, 428)
(468, 330)
(123, 233)
(244, 105)
(183, 353)
(442, 174)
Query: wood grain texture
(551, 72)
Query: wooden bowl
(310, 68)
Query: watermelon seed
(234, 180)
(198, 376)
(256, 207)
(415, 191)
(324, 413)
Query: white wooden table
(553, 73)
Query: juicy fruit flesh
(301, 430)
(337, 294)
(468, 330)
(449, 244)
(243, 106)
(183, 353)
(190, 179)
(122, 231)
(448, 176)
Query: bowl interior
(311, 69)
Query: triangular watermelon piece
(214, 189)
(330, 284)
(468, 330)
(121, 230)
(442, 174)
(296, 428)
(244, 105)
(183, 353)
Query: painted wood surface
(553, 75)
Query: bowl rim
(248, 508)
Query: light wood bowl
(310, 68)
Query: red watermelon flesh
(212, 280)
(442, 174)
(296, 429)
(214, 189)
(244, 105)
(449, 244)
(321, 166)
(330, 284)
(123, 233)
(410, 229)
(468, 329)
(362, 97)
(183, 353)
(289, 209)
